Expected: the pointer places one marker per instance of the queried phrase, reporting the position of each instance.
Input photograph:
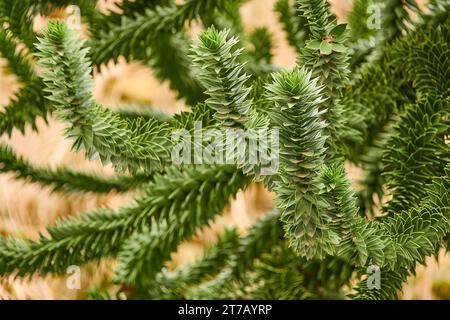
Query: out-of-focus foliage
(379, 100)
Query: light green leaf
(337, 47)
(325, 48)
(314, 45)
(338, 30)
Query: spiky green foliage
(372, 166)
(417, 233)
(66, 180)
(426, 63)
(145, 252)
(135, 32)
(413, 157)
(216, 58)
(165, 53)
(297, 99)
(364, 21)
(388, 82)
(374, 23)
(373, 96)
(359, 20)
(174, 284)
(359, 240)
(262, 236)
(438, 12)
(168, 56)
(278, 274)
(154, 36)
(388, 116)
(270, 274)
(325, 51)
(18, 60)
(326, 54)
(397, 16)
(17, 16)
(260, 55)
(293, 25)
(262, 45)
(145, 111)
(29, 102)
(133, 145)
(221, 265)
(103, 232)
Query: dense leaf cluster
(378, 98)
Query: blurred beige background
(25, 209)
